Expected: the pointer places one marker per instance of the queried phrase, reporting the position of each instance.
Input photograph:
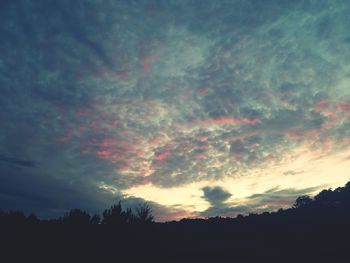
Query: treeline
(113, 216)
(327, 201)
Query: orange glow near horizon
(304, 168)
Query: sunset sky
(198, 107)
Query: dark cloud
(17, 161)
(30, 191)
(215, 195)
(275, 198)
(270, 200)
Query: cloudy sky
(201, 108)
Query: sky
(199, 108)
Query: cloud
(215, 195)
(270, 200)
(149, 98)
(276, 198)
(17, 161)
(31, 192)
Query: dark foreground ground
(314, 230)
(260, 239)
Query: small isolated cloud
(215, 195)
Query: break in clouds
(100, 97)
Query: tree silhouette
(95, 219)
(116, 216)
(326, 197)
(76, 217)
(128, 216)
(144, 214)
(112, 216)
(302, 201)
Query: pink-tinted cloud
(104, 153)
(157, 139)
(81, 113)
(229, 120)
(66, 137)
(200, 156)
(335, 112)
(202, 91)
(124, 75)
(344, 106)
(162, 155)
(146, 63)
